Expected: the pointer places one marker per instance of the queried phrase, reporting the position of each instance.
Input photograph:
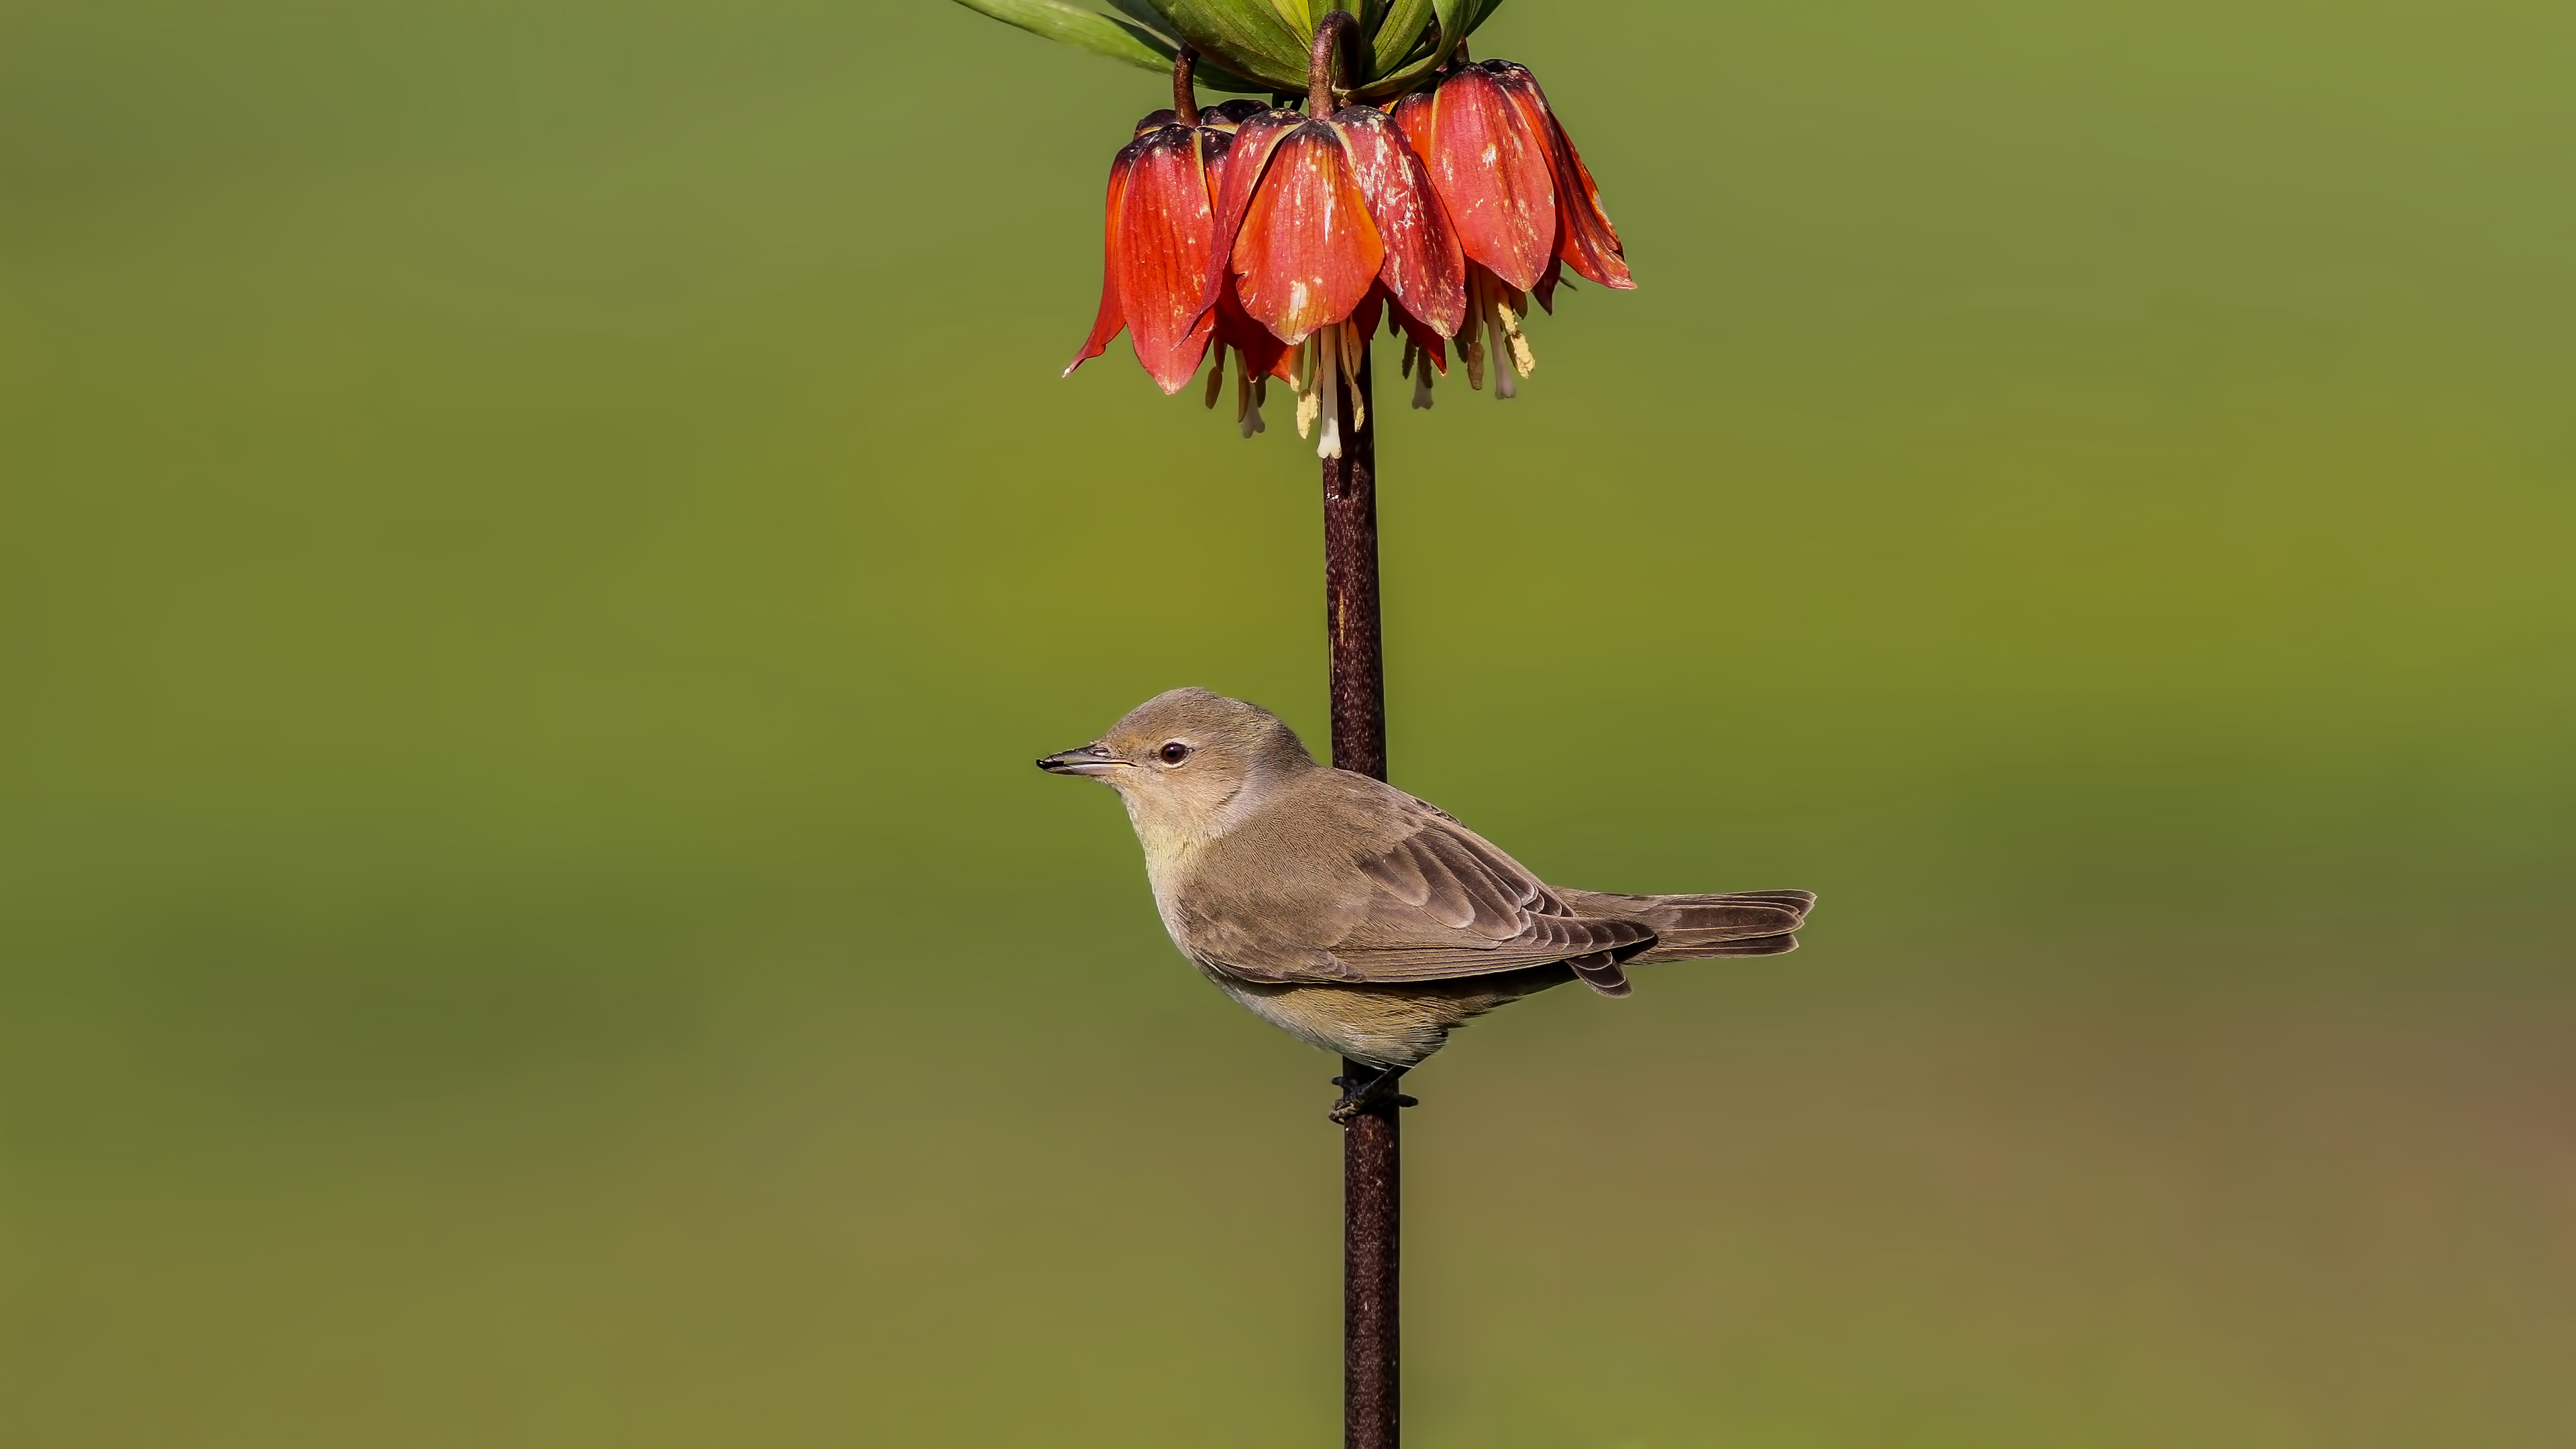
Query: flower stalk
(1319, 61)
(1185, 92)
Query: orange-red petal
(1424, 269)
(1215, 147)
(1490, 168)
(1434, 345)
(1240, 174)
(1414, 116)
(1110, 321)
(1235, 328)
(1584, 237)
(1373, 306)
(1166, 242)
(1548, 282)
(1306, 252)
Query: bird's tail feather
(1699, 928)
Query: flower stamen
(1304, 379)
(1509, 307)
(1471, 344)
(1247, 400)
(1328, 443)
(1355, 345)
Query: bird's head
(1185, 759)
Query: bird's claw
(1361, 1097)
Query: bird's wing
(1434, 901)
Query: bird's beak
(1088, 760)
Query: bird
(1358, 918)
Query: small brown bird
(1357, 918)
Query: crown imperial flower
(1524, 204)
(1316, 213)
(1416, 186)
(1157, 248)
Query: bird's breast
(1168, 870)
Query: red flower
(1259, 356)
(1316, 209)
(1158, 255)
(1317, 216)
(1158, 250)
(1522, 201)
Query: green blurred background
(541, 538)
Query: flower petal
(1235, 328)
(1548, 282)
(1255, 137)
(1490, 168)
(1250, 148)
(1424, 269)
(1428, 342)
(1306, 252)
(1110, 321)
(1226, 115)
(1215, 147)
(1584, 236)
(1166, 241)
(1364, 317)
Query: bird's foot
(1361, 1097)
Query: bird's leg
(1359, 1096)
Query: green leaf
(1453, 16)
(1397, 34)
(1247, 37)
(1137, 44)
(1147, 16)
(1456, 18)
(1086, 29)
(1407, 70)
(1212, 78)
(1407, 77)
(1484, 8)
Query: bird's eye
(1175, 752)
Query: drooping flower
(1524, 205)
(1159, 278)
(1317, 215)
(1158, 249)
(1445, 218)
(1258, 355)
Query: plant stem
(1370, 1166)
(1336, 25)
(1185, 96)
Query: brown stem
(1371, 1168)
(1350, 584)
(1185, 96)
(1371, 1207)
(1319, 60)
